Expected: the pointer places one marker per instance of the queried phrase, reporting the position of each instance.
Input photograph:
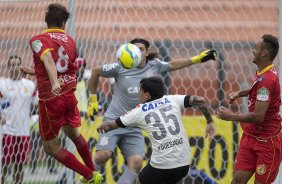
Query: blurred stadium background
(179, 28)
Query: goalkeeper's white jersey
(20, 94)
(161, 118)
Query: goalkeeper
(125, 97)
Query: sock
(83, 150)
(70, 161)
(128, 177)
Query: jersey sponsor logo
(170, 144)
(132, 90)
(109, 67)
(36, 45)
(66, 79)
(263, 94)
(261, 169)
(150, 106)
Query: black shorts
(151, 175)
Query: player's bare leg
(72, 133)
(134, 164)
(52, 146)
(241, 177)
(137, 181)
(101, 157)
(18, 173)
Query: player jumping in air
(54, 54)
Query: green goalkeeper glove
(92, 107)
(204, 56)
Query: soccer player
(260, 146)
(20, 94)
(54, 54)
(160, 116)
(125, 98)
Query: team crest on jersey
(263, 94)
(149, 73)
(104, 140)
(261, 169)
(36, 45)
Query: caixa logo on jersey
(63, 60)
(133, 89)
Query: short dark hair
(154, 86)
(14, 57)
(271, 44)
(56, 15)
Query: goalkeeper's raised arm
(204, 56)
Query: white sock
(128, 177)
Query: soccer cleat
(97, 178)
(82, 180)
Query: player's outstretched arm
(201, 103)
(257, 116)
(27, 70)
(231, 97)
(201, 58)
(93, 83)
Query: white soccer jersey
(161, 118)
(20, 94)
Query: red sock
(84, 152)
(70, 161)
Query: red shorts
(15, 149)
(56, 112)
(263, 156)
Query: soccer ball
(129, 55)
